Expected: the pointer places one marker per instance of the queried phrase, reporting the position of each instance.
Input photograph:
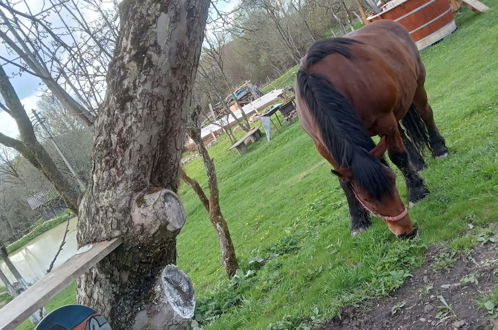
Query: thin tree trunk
(7, 284)
(219, 223)
(228, 256)
(137, 152)
(244, 116)
(5, 256)
(306, 24)
(348, 17)
(29, 146)
(237, 120)
(339, 21)
(196, 187)
(226, 128)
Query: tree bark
(137, 152)
(174, 305)
(228, 256)
(196, 187)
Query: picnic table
(241, 145)
(271, 111)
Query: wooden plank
(455, 5)
(19, 309)
(251, 132)
(476, 5)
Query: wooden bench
(251, 136)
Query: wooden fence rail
(19, 309)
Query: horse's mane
(340, 126)
(325, 47)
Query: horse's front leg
(399, 156)
(360, 218)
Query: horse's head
(385, 204)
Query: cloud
(8, 125)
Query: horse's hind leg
(414, 156)
(360, 218)
(399, 156)
(436, 141)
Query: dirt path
(434, 298)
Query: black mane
(325, 47)
(340, 126)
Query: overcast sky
(26, 87)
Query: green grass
(489, 303)
(4, 298)
(281, 193)
(284, 81)
(38, 228)
(66, 297)
(289, 219)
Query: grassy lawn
(289, 219)
(66, 297)
(286, 80)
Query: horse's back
(382, 74)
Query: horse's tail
(416, 129)
(343, 133)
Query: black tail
(416, 129)
(343, 133)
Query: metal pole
(71, 169)
(373, 5)
(22, 284)
(5, 256)
(7, 284)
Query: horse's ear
(380, 149)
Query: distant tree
(57, 43)
(29, 146)
(212, 204)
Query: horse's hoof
(356, 232)
(442, 156)
(439, 151)
(411, 205)
(411, 235)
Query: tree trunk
(29, 146)
(245, 127)
(244, 116)
(196, 187)
(348, 17)
(7, 284)
(226, 128)
(5, 256)
(228, 256)
(137, 152)
(219, 223)
(174, 305)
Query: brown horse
(349, 89)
